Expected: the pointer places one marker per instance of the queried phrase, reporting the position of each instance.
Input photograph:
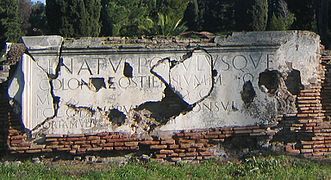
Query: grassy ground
(269, 167)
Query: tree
(123, 17)
(279, 18)
(10, 26)
(165, 17)
(142, 17)
(251, 15)
(106, 19)
(194, 15)
(38, 19)
(25, 9)
(75, 18)
(305, 13)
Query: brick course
(307, 133)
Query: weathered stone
(27, 89)
(93, 85)
(195, 88)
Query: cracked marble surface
(68, 87)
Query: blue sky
(43, 1)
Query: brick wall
(308, 132)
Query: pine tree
(38, 19)
(10, 23)
(74, 18)
(105, 18)
(279, 18)
(210, 15)
(305, 13)
(25, 9)
(251, 15)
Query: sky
(43, 1)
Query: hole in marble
(96, 84)
(214, 73)
(269, 81)
(116, 117)
(128, 70)
(248, 93)
(171, 105)
(293, 82)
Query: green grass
(268, 167)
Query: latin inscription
(77, 71)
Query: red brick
(18, 141)
(64, 149)
(80, 142)
(150, 142)
(173, 155)
(95, 141)
(158, 147)
(168, 142)
(214, 133)
(206, 153)
(179, 150)
(54, 143)
(33, 151)
(19, 137)
(197, 145)
(121, 148)
(185, 146)
(130, 144)
(211, 136)
(76, 138)
(191, 150)
(94, 149)
(166, 151)
(134, 148)
(307, 150)
(191, 154)
(89, 138)
(46, 150)
(173, 146)
(186, 141)
(86, 146)
(119, 144)
(108, 148)
(18, 148)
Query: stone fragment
(45, 50)
(31, 91)
(194, 89)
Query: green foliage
(280, 18)
(259, 14)
(281, 23)
(141, 17)
(38, 19)
(270, 167)
(251, 15)
(74, 18)
(124, 17)
(305, 13)
(210, 15)
(10, 22)
(25, 12)
(165, 26)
